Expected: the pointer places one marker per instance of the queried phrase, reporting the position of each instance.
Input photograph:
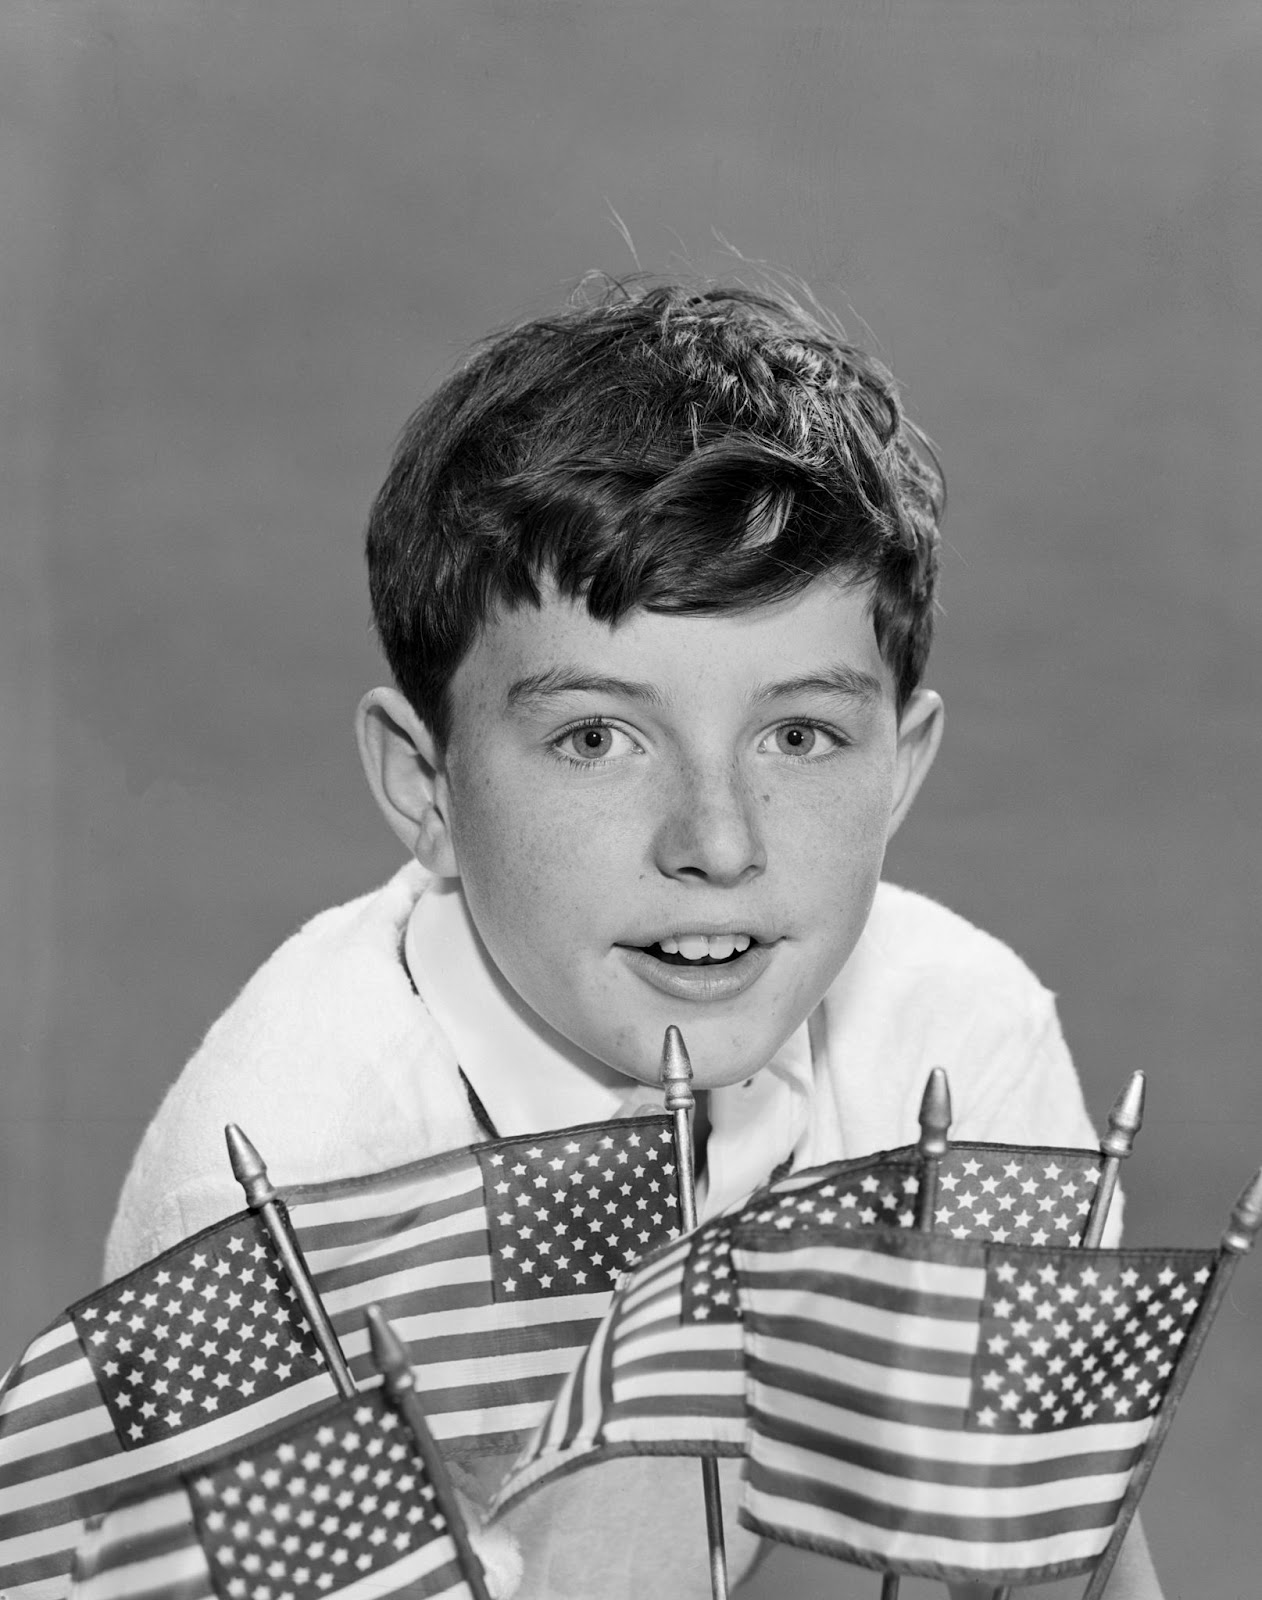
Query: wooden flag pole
(1237, 1241)
(262, 1196)
(680, 1102)
(1125, 1120)
(391, 1359)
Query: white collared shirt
(530, 1078)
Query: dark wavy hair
(677, 448)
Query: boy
(655, 581)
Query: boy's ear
(407, 775)
(919, 735)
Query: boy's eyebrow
(852, 682)
(575, 680)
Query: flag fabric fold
(664, 1372)
(662, 1375)
(337, 1507)
(946, 1407)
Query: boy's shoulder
(327, 1060)
(926, 988)
(909, 936)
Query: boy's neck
(701, 1134)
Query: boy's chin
(711, 1068)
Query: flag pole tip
(1246, 1218)
(389, 1353)
(1126, 1117)
(676, 1071)
(247, 1163)
(935, 1114)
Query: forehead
(826, 628)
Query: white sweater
(333, 1066)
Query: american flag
(664, 1372)
(494, 1264)
(203, 1346)
(957, 1409)
(338, 1507)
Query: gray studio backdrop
(239, 242)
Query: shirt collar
(530, 1078)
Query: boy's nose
(710, 830)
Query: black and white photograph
(630, 868)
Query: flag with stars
(1015, 1194)
(664, 1372)
(494, 1264)
(1018, 1194)
(203, 1346)
(929, 1405)
(337, 1507)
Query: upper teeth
(696, 946)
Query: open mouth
(701, 968)
(700, 949)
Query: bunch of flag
(665, 1372)
(926, 1359)
(983, 1401)
(204, 1346)
(495, 1263)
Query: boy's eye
(804, 739)
(594, 741)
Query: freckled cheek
(504, 857)
(532, 863)
(830, 831)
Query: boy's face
(680, 819)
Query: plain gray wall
(238, 243)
